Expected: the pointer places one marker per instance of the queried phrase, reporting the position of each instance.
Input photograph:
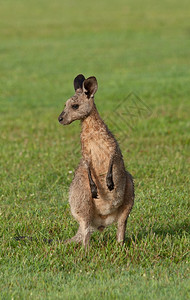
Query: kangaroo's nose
(60, 119)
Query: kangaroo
(102, 191)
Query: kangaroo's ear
(78, 81)
(90, 86)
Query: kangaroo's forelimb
(93, 186)
(109, 176)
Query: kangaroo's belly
(104, 207)
(107, 203)
(101, 221)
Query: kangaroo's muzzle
(60, 119)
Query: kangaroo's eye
(75, 106)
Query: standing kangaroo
(102, 191)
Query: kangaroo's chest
(100, 155)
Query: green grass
(130, 47)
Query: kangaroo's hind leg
(125, 209)
(80, 199)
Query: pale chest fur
(98, 146)
(96, 149)
(99, 154)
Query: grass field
(130, 46)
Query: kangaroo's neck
(92, 123)
(94, 131)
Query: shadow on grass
(34, 239)
(176, 230)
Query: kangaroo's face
(80, 105)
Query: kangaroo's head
(79, 106)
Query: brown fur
(100, 153)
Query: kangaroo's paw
(94, 191)
(109, 182)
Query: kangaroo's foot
(125, 210)
(122, 221)
(83, 235)
(78, 237)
